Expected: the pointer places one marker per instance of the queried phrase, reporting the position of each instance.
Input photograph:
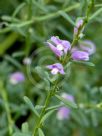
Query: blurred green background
(25, 25)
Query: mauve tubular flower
(78, 25)
(88, 46)
(80, 55)
(17, 77)
(58, 46)
(64, 112)
(56, 68)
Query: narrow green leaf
(47, 115)
(18, 9)
(67, 17)
(85, 63)
(55, 107)
(18, 54)
(96, 14)
(40, 132)
(27, 100)
(37, 107)
(67, 102)
(21, 134)
(13, 61)
(8, 42)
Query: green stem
(42, 112)
(28, 41)
(6, 104)
(85, 21)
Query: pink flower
(64, 112)
(80, 55)
(88, 46)
(78, 25)
(58, 46)
(17, 77)
(56, 68)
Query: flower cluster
(62, 47)
(64, 112)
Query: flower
(17, 77)
(27, 61)
(64, 112)
(58, 46)
(80, 55)
(79, 23)
(88, 46)
(56, 68)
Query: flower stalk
(63, 48)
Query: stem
(86, 19)
(43, 112)
(6, 104)
(28, 37)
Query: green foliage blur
(25, 25)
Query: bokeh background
(25, 25)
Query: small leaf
(27, 100)
(55, 107)
(47, 115)
(21, 134)
(37, 107)
(25, 127)
(85, 63)
(18, 9)
(99, 11)
(13, 61)
(40, 132)
(67, 17)
(67, 102)
(43, 74)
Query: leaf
(55, 107)
(25, 127)
(18, 9)
(67, 17)
(43, 75)
(8, 42)
(21, 134)
(37, 107)
(27, 100)
(96, 14)
(85, 63)
(47, 115)
(13, 61)
(40, 132)
(18, 54)
(67, 102)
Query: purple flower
(58, 46)
(78, 25)
(56, 68)
(64, 112)
(17, 77)
(88, 46)
(80, 55)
